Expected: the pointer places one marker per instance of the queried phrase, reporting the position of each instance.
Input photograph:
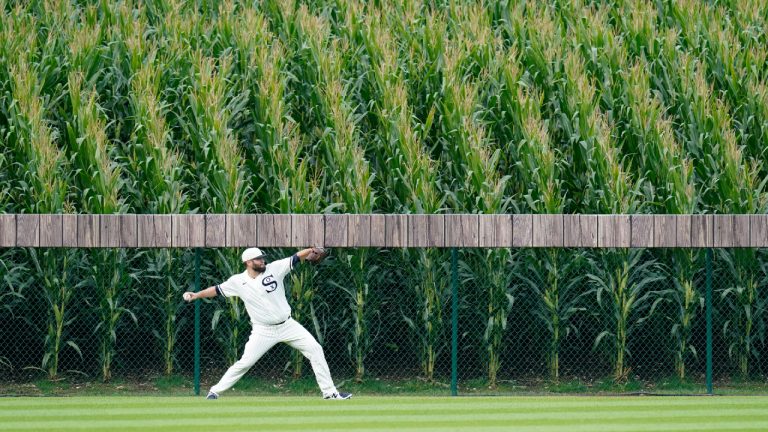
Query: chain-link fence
(537, 320)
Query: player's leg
(258, 343)
(295, 335)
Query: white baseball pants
(265, 337)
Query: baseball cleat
(212, 395)
(340, 396)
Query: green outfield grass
(387, 413)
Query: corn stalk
(598, 180)
(734, 188)
(431, 283)
(472, 158)
(99, 183)
(650, 142)
(728, 181)
(155, 169)
(538, 171)
(547, 273)
(349, 179)
(746, 307)
(219, 170)
(41, 166)
(621, 280)
(410, 174)
(672, 175)
(32, 167)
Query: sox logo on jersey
(270, 283)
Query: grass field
(387, 413)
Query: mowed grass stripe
(543, 414)
(350, 410)
(382, 413)
(374, 402)
(741, 427)
(289, 405)
(331, 417)
(399, 423)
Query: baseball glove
(317, 255)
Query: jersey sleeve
(227, 288)
(281, 267)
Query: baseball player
(261, 288)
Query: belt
(270, 325)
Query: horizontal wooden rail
(382, 230)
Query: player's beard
(261, 268)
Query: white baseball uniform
(270, 313)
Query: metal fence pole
(709, 321)
(454, 321)
(197, 323)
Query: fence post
(709, 321)
(197, 323)
(454, 321)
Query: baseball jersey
(264, 296)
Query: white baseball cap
(252, 253)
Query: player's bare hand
(189, 296)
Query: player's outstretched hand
(189, 296)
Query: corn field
(344, 106)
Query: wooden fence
(382, 230)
